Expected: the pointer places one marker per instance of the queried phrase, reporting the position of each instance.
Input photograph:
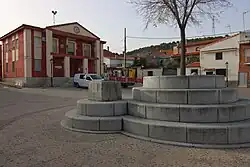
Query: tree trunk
(183, 51)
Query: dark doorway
(76, 66)
(221, 72)
(194, 71)
(209, 73)
(150, 73)
(58, 64)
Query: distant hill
(164, 46)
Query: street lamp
(51, 72)
(244, 13)
(54, 12)
(226, 73)
(142, 66)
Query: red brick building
(1, 69)
(33, 55)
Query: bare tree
(179, 13)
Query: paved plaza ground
(31, 136)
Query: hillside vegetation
(164, 46)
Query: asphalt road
(31, 136)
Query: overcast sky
(107, 19)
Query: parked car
(82, 80)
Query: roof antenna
(54, 12)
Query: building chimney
(108, 48)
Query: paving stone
(136, 110)
(173, 82)
(172, 96)
(220, 81)
(228, 95)
(223, 114)
(111, 124)
(120, 108)
(99, 109)
(202, 82)
(248, 110)
(81, 107)
(85, 123)
(164, 113)
(168, 133)
(207, 135)
(206, 96)
(136, 94)
(149, 95)
(198, 114)
(151, 82)
(135, 127)
(237, 113)
(239, 135)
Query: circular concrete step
(185, 96)
(101, 109)
(80, 123)
(189, 134)
(237, 111)
(184, 82)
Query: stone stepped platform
(232, 112)
(101, 109)
(185, 96)
(194, 111)
(184, 82)
(89, 124)
(208, 135)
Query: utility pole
(54, 12)
(229, 27)
(244, 25)
(213, 25)
(125, 46)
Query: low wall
(42, 81)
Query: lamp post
(226, 73)
(142, 66)
(51, 72)
(54, 12)
(244, 13)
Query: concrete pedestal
(101, 112)
(193, 111)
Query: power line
(213, 25)
(201, 36)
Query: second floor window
(17, 44)
(247, 52)
(218, 56)
(13, 44)
(87, 50)
(6, 47)
(55, 45)
(71, 47)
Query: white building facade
(222, 58)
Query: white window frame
(6, 47)
(73, 41)
(57, 45)
(38, 46)
(40, 65)
(17, 48)
(83, 48)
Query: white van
(82, 80)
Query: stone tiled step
(184, 82)
(76, 122)
(193, 134)
(237, 111)
(185, 96)
(101, 109)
